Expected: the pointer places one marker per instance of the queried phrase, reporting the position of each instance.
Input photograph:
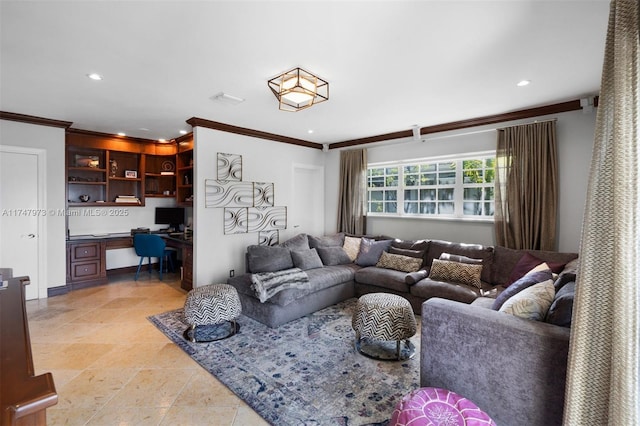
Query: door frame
(321, 193)
(42, 235)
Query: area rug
(305, 372)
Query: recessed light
(95, 76)
(183, 132)
(122, 134)
(523, 83)
(162, 140)
(310, 131)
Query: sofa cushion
(399, 262)
(474, 251)
(383, 278)
(531, 303)
(428, 288)
(505, 259)
(333, 255)
(268, 258)
(528, 262)
(568, 274)
(536, 275)
(370, 251)
(352, 246)
(299, 242)
(306, 259)
(326, 241)
(463, 273)
(562, 307)
(411, 248)
(460, 258)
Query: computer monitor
(172, 216)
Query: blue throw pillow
(370, 251)
(527, 281)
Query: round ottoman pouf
(438, 407)
(380, 318)
(211, 312)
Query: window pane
(488, 209)
(472, 194)
(428, 179)
(473, 176)
(391, 207)
(446, 166)
(472, 164)
(376, 207)
(448, 178)
(428, 208)
(411, 169)
(376, 195)
(427, 194)
(390, 195)
(392, 180)
(488, 193)
(431, 167)
(376, 182)
(391, 170)
(411, 180)
(445, 208)
(445, 194)
(376, 172)
(472, 209)
(411, 207)
(411, 194)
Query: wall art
(235, 220)
(227, 193)
(268, 238)
(263, 194)
(229, 166)
(266, 218)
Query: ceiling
(390, 64)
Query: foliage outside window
(461, 187)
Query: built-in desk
(86, 258)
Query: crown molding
(31, 119)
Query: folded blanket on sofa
(267, 284)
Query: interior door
(307, 213)
(20, 214)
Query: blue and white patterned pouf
(209, 306)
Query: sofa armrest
(413, 277)
(513, 369)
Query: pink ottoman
(437, 407)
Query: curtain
(602, 377)
(526, 186)
(353, 175)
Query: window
(450, 187)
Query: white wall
(262, 161)
(51, 140)
(575, 132)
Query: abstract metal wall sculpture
(228, 193)
(268, 238)
(229, 166)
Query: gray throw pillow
(327, 241)
(562, 307)
(268, 258)
(333, 256)
(527, 281)
(306, 259)
(370, 251)
(297, 243)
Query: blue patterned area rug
(305, 372)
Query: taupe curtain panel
(526, 186)
(353, 187)
(602, 376)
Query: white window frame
(458, 186)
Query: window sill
(435, 218)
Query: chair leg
(139, 266)
(149, 266)
(161, 258)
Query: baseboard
(57, 291)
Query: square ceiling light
(298, 89)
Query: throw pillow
(535, 276)
(562, 307)
(352, 246)
(460, 258)
(299, 242)
(306, 259)
(370, 251)
(528, 261)
(531, 303)
(444, 270)
(399, 262)
(268, 258)
(333, 256)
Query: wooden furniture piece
(24, 397)
(184, 195)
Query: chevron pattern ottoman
(214, 308)
(380, 318)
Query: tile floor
(111, 366)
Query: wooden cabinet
(86, 175)
(160, 176)
(124, 182)
(86, 263)
(187, 268)
(184, 160)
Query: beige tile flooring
(111, 366)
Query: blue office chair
(151, 245)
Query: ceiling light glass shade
(298, 89)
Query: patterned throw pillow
(531, 303)
(463, 273)
(399, 262)
(352, 246)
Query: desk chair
(151, 245)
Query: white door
(20, 215)
(307, 215)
